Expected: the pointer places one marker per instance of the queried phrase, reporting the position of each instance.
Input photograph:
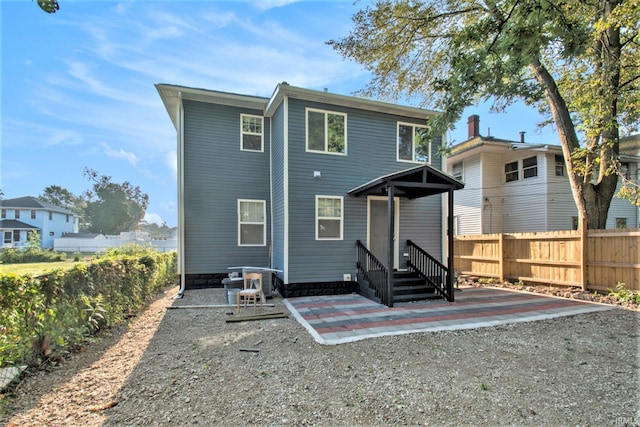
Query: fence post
(501, 255)
(584, 273)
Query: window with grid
(33, 214)
(3, 213)
(16, 236)
(252, 133)
(511, 171)
(413, 143)
(326, 132)
(329, 217)
(530, 167)
(16, 214)
(252, 229)
(559, 165)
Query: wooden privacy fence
(595, 260)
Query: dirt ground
(189, 366)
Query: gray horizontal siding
(371, 152)
(217, 173)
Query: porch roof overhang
(14, 224)
(412, 183)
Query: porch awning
(412, 183)
(14, 224)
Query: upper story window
(457, 171)
(16, 214)
(511, 172)
(413, 145)
(50, 215)
(3, 214)
(530, 167)
(329, 217)
(252, 228)
(33, 214)
(624, 170)
(67, 218)
(252, 133)
(326, 132)
(559, 165)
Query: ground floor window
(252, 229)
(329, 217)
(621, 222)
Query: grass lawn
(36, 268)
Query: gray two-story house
(335, 193)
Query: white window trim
(318, 218)
(528, 168)
(326, 133)
(242, 133)
(263, 223)
(413, 152)
(517, 170)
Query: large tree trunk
(594, 187)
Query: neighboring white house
(515, 186)
(23, 214)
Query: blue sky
(78, 85)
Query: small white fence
(73, 244)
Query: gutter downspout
(180, 155)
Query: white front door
(378, 229)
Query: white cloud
(172, 162)
(151, 218)
(119, 154)
(271, 4)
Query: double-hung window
(16, 214)
(530, 167)
(252, 133)
(457, 171)
(559, 165)
(3, 215)
(413, 144)
(329, 217)
(252, 229)
(33, 214)
(511, 172)
(326, 132)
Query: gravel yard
(184, 367)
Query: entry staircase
(425, 278)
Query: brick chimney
(473, 126)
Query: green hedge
(49, 315)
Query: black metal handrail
(375, 273)
(431, 270)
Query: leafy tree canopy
(49, 6)
(113, 208)
(63, 198)
(576, 61)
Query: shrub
(49, 315)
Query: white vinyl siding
(251, 222)
(326, 131)
(412, 144)
(252, 132)
(329, 217)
